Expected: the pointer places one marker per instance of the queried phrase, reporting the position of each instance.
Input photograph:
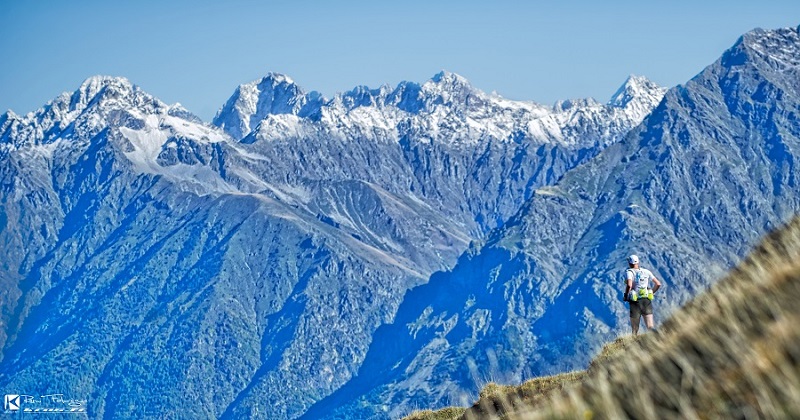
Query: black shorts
(643, 306)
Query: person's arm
(656, 285)
(628, 285)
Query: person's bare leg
(648, 320)
(635, 325)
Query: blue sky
(197, 52)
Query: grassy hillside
(732, 352)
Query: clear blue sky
(197, 52)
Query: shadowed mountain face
(154, 264)
(690, 190)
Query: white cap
(633, 259)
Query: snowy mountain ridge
(447, 107)
(148, 132)
(87, 108)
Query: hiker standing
(639, 294)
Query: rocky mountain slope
(472, 156)
(149, 257)
(468, 156)
(691, 190)
(151, 273)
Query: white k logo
(12, 402)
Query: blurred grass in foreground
(732, 352)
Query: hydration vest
(640, 288)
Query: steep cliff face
(691, 190)
(149, 257)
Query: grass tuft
(448, 413)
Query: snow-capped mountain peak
(272, 82)
(633, 88)
(637, 96)
(448, 78)
(95, 84)
(252, 102)
(6, 120)
(277, 78)
(93, 101)
(447, 88)
(7, 116)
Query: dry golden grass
(499, 399)
(443, 414)
(733, 352)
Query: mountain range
(691, 189)
(267, 260)
(358, 255)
